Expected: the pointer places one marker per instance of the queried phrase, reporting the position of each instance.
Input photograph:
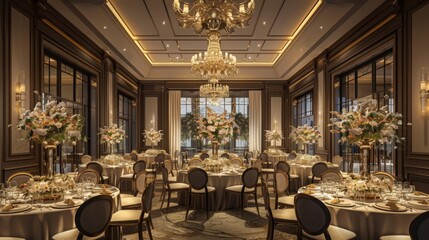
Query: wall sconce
(20, 94)
(424, 90)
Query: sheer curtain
(174, 121)
(255, 120)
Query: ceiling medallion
(213, 14)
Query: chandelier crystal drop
(213, 14)
(214, 91)
(213, 64)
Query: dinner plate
(62, 204)
(17, 209)
(383, 206)
(419, 196)
(342, 203)
(418, 204)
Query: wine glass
(12, 184)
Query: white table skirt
(41, 223)
(219, 200)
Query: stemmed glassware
(2, 195)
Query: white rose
(355, 131)
(58, 124)
(40, 131)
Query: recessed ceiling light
(177, 57)
(168, 45)
(264, 22)
(321, 27)
(300, 49)
(104, 27)
(124, 49)
(259, 45)
(163, 22)
(250, 57)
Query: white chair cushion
(267, 170)
(287, 200)
(237, 189)
(123, 195)
(127, 176)
(178, 186)
(126, 217)
(284, 215)
(336, 233)
(172, 179)
(202, 191)
(72, 235)
(131, 202)
(396, 237)
(293, 176)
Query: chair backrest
(236, 161)
(318, 169)
(283, 166)
(281, 181)
(194, 162)
(85, 159)
(312, 215)
(96, 166)
(258, 164)
(139, 167)
(382, 175)
(88, 173)
(147, 197)
(248, 156)
(204, 156)
(93, 216)
(197, 178)
(264, 157)
(333, 174)
(160, 158)
(19, 178)
(140, 181)
(127, 157)
(164, 173)
(338, 160)
(419, 227)
(224, 155)
(134, 156)
(291, 156)
(250, 177)
(168, 164)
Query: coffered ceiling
(282, 36)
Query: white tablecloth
(114, 172)
(220, 181)
(41, 223)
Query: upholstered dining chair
(158, 162)
(138, 167)
(236, 161)
(169, 187)
(265, 162)
(134, 156)
(248, 156)
(85, 159)
(91, 219)
(225, 155)
(19, 178)
(134, 201)
(11, 238)
(88, 173)
(382, 175)
(333, 174)
(281, 186)
(194, 162)
(337, 159)
(316, 171)
(285, 167)
(277, 216)
(314, 220)
(204, 156)
(250, 181)
(137, 217)
(198, 179)
(418, 230)
(291, 156)
(99, 168)
(168, 164)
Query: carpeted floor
(221, 224)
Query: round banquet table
(149, 158)
(273, 158)
(220, 181)
(304, 170)
(43, 223)
(114, 172)
(369, 222)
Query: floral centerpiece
(111, 159)
(304, 135)
(50, 124)
(111, 135)
(48, 188)
(153, 136)
(214, 165)
(370, 188)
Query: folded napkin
(69, 202)
(308, 191)
(423, 202)
(7, 208)
(336, 201)
(392, 205)
(105, 191)
(312, 185)
(104, 185)
(418, 193)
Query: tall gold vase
(215, 149)
(50, 148)
(365, 151)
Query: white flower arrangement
(365, 122)
(216, 127)
(273, 135)
(111, 159)
(304, 134)
(369, 188)
(153, 136)
(50, 123)
(49, 187)
(112, 134)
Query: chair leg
(207, 205)
(149, 221)
(168, 200)
(163, 198)
(270, 234)
(140, 229)
(276, 204)
(242, 205)
(188, 205)
(256, 203)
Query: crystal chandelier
(214, 91)
(213, 64)
(213, 14)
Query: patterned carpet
(221, 225)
